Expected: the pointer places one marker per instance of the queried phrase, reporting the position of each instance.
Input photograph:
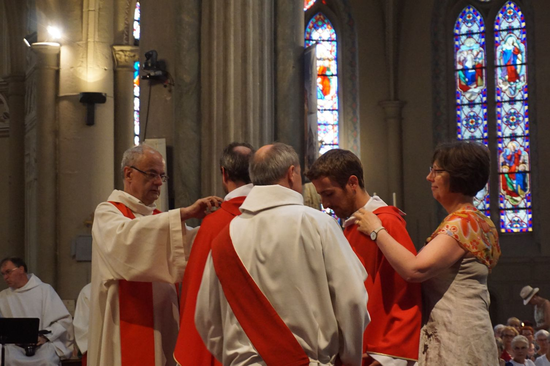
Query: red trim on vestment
(264, 327)
(137, 322)
(190, 349)
(395, 305)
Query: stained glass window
(512, 120)
(308, 4)
(320, 32)
(471, 87)
(137, 35)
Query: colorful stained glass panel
(471, 122)
(516, 221)
(320, 32)
(512, 120)
(308, 4)
(471, 86)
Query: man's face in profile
(338, 199)
(145, 179)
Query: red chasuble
(268, 333)
(395, 306)
(135, 301)
(190, 349)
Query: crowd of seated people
(519, 344)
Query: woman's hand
(366, 221)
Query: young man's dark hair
(338, 165)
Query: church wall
(414, 88)
(373, 88)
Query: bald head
(276, 163)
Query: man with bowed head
(281, 285)
(393, 335)
(138, 255)
(190, 349)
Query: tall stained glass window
(137, 34)
(511, 114)
(320, 32)
(512, 119)
(471, 88)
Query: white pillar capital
(125, 56)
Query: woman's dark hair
(468, 164)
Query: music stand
(18, 330)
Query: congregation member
(508, 334)
(138, 254)
(520, 346)
(497, 330)
(514, 322)
(531, 296)
(282, 286)
(81, 321)
(529, 333)
(28, 297)
(541, 337)
(454, 264)
(190, 349)
(395, 305)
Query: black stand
(18, 330)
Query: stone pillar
(16, 217)
(124, 57)
(236, 72)
(289, 51)
(44, 243)
(392, 111)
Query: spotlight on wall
(91, 99)
(29, 39)
(153, 69)
(54, 32)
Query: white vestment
(38, 300)
(303, 264)
(82, 318)
(149, 248)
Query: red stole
(394, 304)
(266, 330)
(190, 349)
(135, 301)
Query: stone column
(289, 51)
(392, 111)
(236, 70)
(16, 225)
(124, 57)
(45, 163)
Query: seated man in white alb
(28, 297)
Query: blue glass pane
(472, 122)
(512, 119)
(469, 21)
(516, 221)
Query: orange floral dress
(456, 326)
(474, 232)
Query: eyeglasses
(151, 175)
(8, 272)
(507, 335)
(436, 171)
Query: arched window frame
(445, 15)
(338, 12)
